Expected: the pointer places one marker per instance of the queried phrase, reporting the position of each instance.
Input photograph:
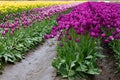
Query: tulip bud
(61, 44)
(77, 40)
(103, 35)
(69, 38)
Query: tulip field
(82, 35)
(24, 29)
(11, 7)
(83, 32)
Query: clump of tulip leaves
(77, 56)
(77, 53)
(115, 46)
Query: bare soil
(108, 68)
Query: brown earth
(108, 68)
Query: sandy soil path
(35, 66)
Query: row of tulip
(28, 18)
(81, 33)
(7, 7)
(23, 32)
(102, 21)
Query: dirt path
(108, 67)
(35, 66)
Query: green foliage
(76, 60)
(13, 47)
(115, 46)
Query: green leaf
(19, 56)
(87, 62)
(100, 55)
(11, 60)
(63, 61)
(55, 63)
(71, 73)
(72, 64)
(65, 76)
(7, 57)
(62, 69)
(71, 78)
(89, 57)
(93, 71)
(81, 67)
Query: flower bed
(23, 32)
(11, 7)
(81, 34)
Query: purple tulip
(106, 41)
(103, 35)
(6, 30)
(46, 36)
(77, 40)
(92, 34)
(118, 30)
(61, 44)
(111, 38)
(3, 33)
(69, 38)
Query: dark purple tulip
(77, 40)
(51, 36)
(106, 41)
(78, 32)
(6, 30)
(59, 39)
(111, 38)
(69, 38)
(92, 34)
(61, 44)
(118, 30)
(76, 27)
(3, 33)
(117, 37)
(103, 35)
(67, 32)
(46, 36)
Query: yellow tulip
(15, 6)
